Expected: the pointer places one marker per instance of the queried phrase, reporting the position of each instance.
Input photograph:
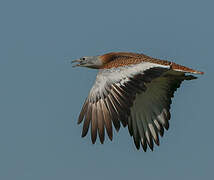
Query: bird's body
(131, 89)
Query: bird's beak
(76, 61)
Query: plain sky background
(41, 94)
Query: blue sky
(41, 94)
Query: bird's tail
(177, 67)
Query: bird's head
(94, 62)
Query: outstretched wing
(138, 96)
(150, 113)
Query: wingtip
(93, 140)
(144, 148)
(111, 137)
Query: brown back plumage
(117, 59)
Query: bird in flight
(131, 89)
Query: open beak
(77, 61)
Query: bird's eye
(83, 58)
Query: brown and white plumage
(133, 90)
